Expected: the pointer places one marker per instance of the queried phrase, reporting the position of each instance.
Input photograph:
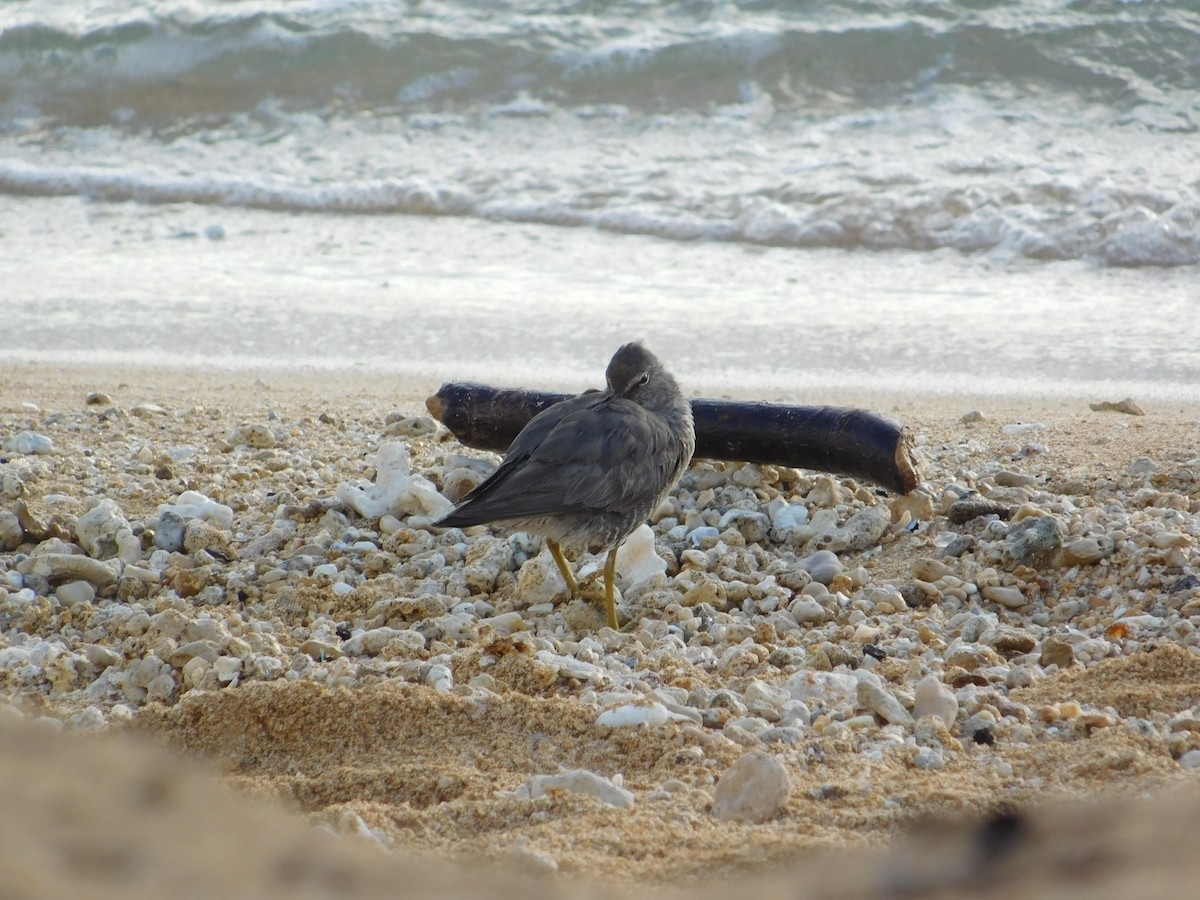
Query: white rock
(824, 521)
(458, 482)
(104, 532)
(395, 491)
(630, 715)
(754, 526)
(58, 567)
(570, 667)
(775, 695)
(255, 436)
(932, 698)
(194, 505)
(874, 696)
(372, 641)
(539, 580)
(486, 559)
(754, 789)
(506, 623)
(228, 669)
(578, 781)
(27, 442)
(786, 515)
(862, 530)
(438, 677)
(636, 559)
(827, 687)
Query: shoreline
(65, 383)
(402, 706)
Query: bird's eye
(645, 379)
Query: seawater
(778, 192)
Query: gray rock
(102, 657)
(808, 611)
(971, 505)
(73, 592)
(823, 566)
(1032, 541)
(169, 533)
(964, 543)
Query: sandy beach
(403, 690)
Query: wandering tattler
(587, 471)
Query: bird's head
(636, 374)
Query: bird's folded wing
(613, 456)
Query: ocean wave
(1092, 220)
(160, 64)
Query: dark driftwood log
(847, 441)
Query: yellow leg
(563, 566)
(610, 576)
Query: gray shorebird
(587, 471)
